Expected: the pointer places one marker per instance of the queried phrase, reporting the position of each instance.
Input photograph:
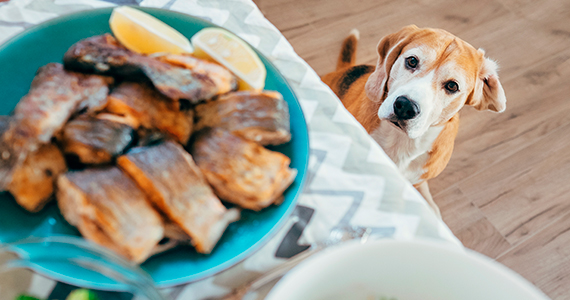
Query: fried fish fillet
(54, 96)
(33, 181)
(151, 109)
(240, 171)
(104, 55)
(224, 80)
(261, 117)
(173, 182)
(108, 208)
(95, 141)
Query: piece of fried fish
(104, 55)
(240, 171)
(109, 208)
(173, 182)
(152, 110)
(222, 77)
(95, 141)
(261, 117)
(32, 183)
(55, 95)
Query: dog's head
(425, 76)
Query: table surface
(351, 181)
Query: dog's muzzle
(405, 109)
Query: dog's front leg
(423, 188)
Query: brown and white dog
(409, 102)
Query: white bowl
(402, 270)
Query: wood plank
(457, 211)
(552, 14)
(483, 237)
(288, 18)
(331, 22)
(531, 185)
(545, 259)
(470, 225)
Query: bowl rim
(287, 282)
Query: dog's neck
(410, 155)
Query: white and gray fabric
(351, 181)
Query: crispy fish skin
(151, 109)
(32, 183)
(108, 208)
(4, 124)
(104, 55)
(240, 171)
(95, 141)
(148, 137)
(173, 182)
(261, 117)
(224, 80)
(54, 96)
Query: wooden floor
(506, 191)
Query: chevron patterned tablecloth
(351, 181)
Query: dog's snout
(405, 109)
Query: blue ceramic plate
(21, 56)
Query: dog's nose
(405, 108)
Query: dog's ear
(389, 49)
(488, 93)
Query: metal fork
(336, 236)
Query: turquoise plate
(21, 56)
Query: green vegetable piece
(26, 297)
(82, 294)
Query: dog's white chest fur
(410, 155)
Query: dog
(409, 102)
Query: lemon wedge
(230, 51)
(145, 34)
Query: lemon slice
(145, 34)
(230, 51)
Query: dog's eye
(452, 86)
(412, 62)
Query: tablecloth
(351, 181)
